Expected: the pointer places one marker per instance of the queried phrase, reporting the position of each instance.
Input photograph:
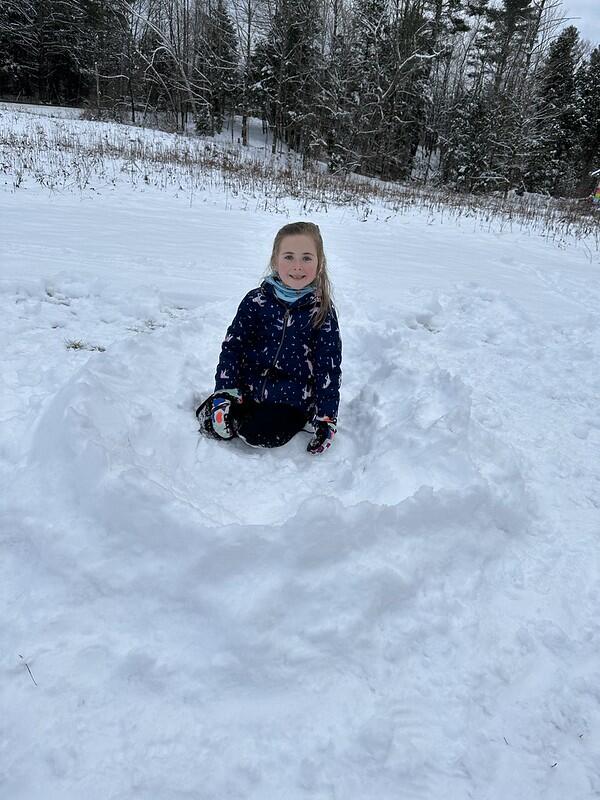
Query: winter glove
(325, 430)
(214, 415)
(221, 412)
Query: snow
(36, 110)
(414, 614)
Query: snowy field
(414, 615)
(20, 115)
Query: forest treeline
(476, 95)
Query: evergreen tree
(340, 99)
(102, 48)
(40, 43)
(504, 42)
(216, 66)
(553, 166)
(17, 52)
(287, 66)
(372, 55)
(467, 155)
(496, 84)
(587, 151)
(56, 50)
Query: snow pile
(414, 614)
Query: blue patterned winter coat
(273, 353)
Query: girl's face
(297, 262)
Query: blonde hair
(323, 284)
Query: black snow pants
(265, 424)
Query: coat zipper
(285, 321)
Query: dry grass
(84, 156)
(77, 344)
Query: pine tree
(57, 50)
(17, 48)
(102, 50)
(587, 151)
(499, 61)
(340, 99)
(216, 66)
(466, 158)
(504, 42)
(372, 55)
(554, 164)
(288, 66)
(406, 90)
(39, 39)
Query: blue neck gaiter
(287, 294)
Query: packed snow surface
(414, 614)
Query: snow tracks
(205, 620)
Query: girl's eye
(308, 258)
(288, 258)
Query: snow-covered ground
(39, 110)
(258, 138)
(415, 614)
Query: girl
(280, 362)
